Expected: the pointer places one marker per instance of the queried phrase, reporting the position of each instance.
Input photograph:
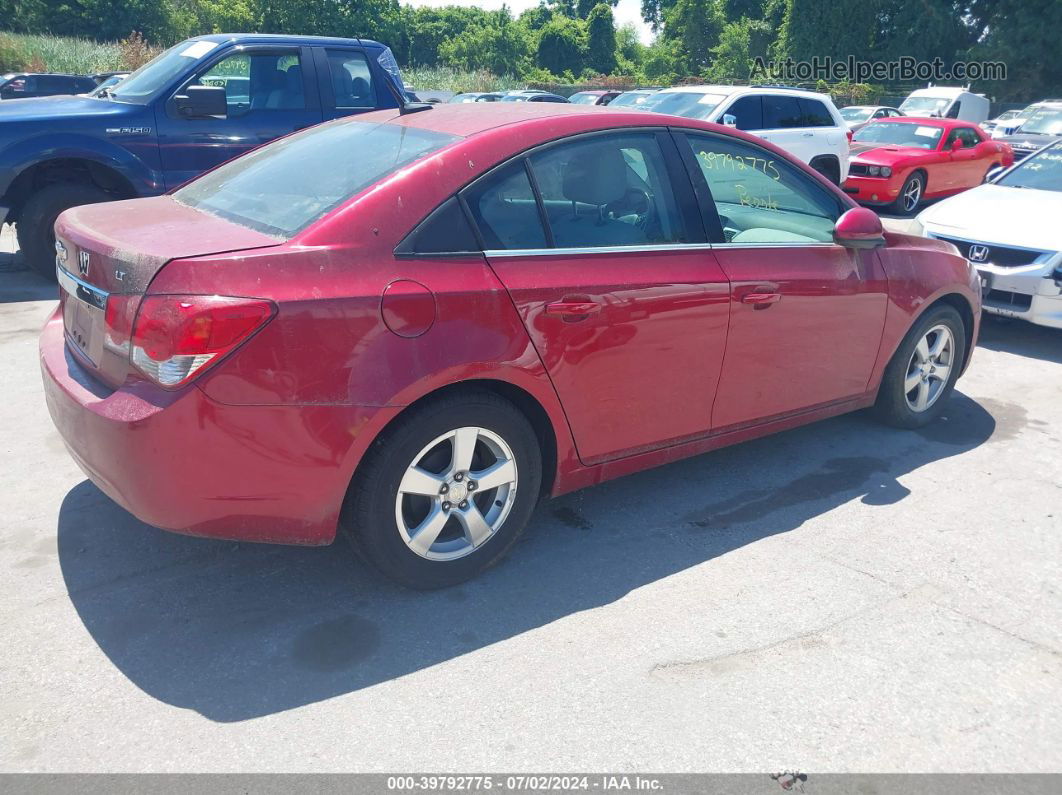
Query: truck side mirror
(199, 102)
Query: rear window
(285, 186)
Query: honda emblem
(978, 253)
(83, 262)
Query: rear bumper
(182, 462)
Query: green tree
(1024, 35)
(695, 26)
(740, 43)
(502, 46)
(584, 7)
(601, 40)
(561, 46)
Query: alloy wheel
(456, 493)
(930, 368)
(911, 194)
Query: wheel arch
(965, 310)
(832, 160)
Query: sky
(626, 11)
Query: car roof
(267, 38)
(926, 121)
(723, 89)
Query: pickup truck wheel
(35, 229)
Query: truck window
(258, 81)
(351, 79)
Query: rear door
(270, 91)
(599, 244)
(806, 315)
(347, 83)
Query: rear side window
(815, 113)
(351, 79)
(283, 187)
(780, 112)
(505, 210)
(749, 113)
(445, 231)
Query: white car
(804, 123)
(1009, 230)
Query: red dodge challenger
(900, 162)
(409, 328)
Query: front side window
(780, 112)
(965, 135)
(284, 186)
(761, 198)
(608, 190)
(351, 80)
(258, 81)
(748, 111)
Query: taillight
(850, 135)
(174, 337)
(118, 321)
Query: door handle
(761, 300)
(808, 135)
(573, 310)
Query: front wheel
(922, 373)
(910, 194)
(35, 229)
(444, 494)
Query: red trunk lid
(115, 249)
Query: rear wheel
(36, 224)
(922, 373)
(446, 493)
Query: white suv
(804, 123)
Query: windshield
(856, 114)
(920, 136)
(691, 104)
(584, 98)
(281, 188)
(161, 71)
(1046, 121)
(1042, 171)
(631, 98)
(925, 106)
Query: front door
(268, 93)
(807, 315)
(620, 295)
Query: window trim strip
(661, 248)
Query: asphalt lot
(843, 597)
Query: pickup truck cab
(198, 104)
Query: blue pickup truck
(202, 102)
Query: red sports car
(411, 327)
(900, 162)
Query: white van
(947, 103)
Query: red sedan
(410, 327)
(901, 162)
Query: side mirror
(993, 172)
(956, 145)
(859, 228)
(199, 102)
(729, 120)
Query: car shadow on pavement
(1021, 338)
(238, 631)
(18, 284)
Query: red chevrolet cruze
(408, 328)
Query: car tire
(914, 188)
(912, 392)
(829, 168)
(35, 229)
(381, 518)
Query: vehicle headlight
(873, 170)
(886, 171)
